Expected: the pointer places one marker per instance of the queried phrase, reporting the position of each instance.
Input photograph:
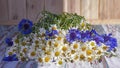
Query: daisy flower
(32, 54)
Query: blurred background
(96, 11)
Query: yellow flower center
(16, 40)
(64, 48)
(48, 52)
(50, 43)
(99, 52)
(40, 60)
(75, 46)
(90, 59)
(92, 44)
(24, 50)
(24, 43)
(21, 54)
(47, 59)
(14, 50)
(64, 54)
(83, 48)
(82, 24)
(43, 48)
(54, 28)
(89, 52)
(33, 53)
(23, 59)
(94, 48)
(55, 44)
(10, 53)
(60, 62)
(104, 47)
(43, 34)
(82, 57)
(65, 41)
(76, 57)
(57, 53)
(36, 41)
(72, 51)
(59, 38)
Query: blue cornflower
(51, 33)
(86, 36)
(96, 37)
(110, 41)
(9, 41)
(54, 32)
(25, 26)
(11, 58)
(73, 35)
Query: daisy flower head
(16, 41)
(32, 54)
(24, 49)
(53, 27)
(82, 57)
(92, 44)
(47, 59)
(75, 45)
(65, 48)
(60, 62)
(39, 59)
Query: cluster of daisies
(59, 46)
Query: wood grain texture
(11, 10)
(3, 10)
(17, 9)
(109, 9)
(54, 6)
(89, 8)
(33, 9)
(72, 6)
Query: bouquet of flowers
(59, 39)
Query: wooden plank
(89, 8)
(104, 13)
(116, 9)
(85, 4)
(3, 10)
(72, 6)
(34, 7)
(109, 9)
(10, 22)
(17, 9)
(54, 6)
(65, 5)
(77, 6)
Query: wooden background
(96, 11)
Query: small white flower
(32, 54)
